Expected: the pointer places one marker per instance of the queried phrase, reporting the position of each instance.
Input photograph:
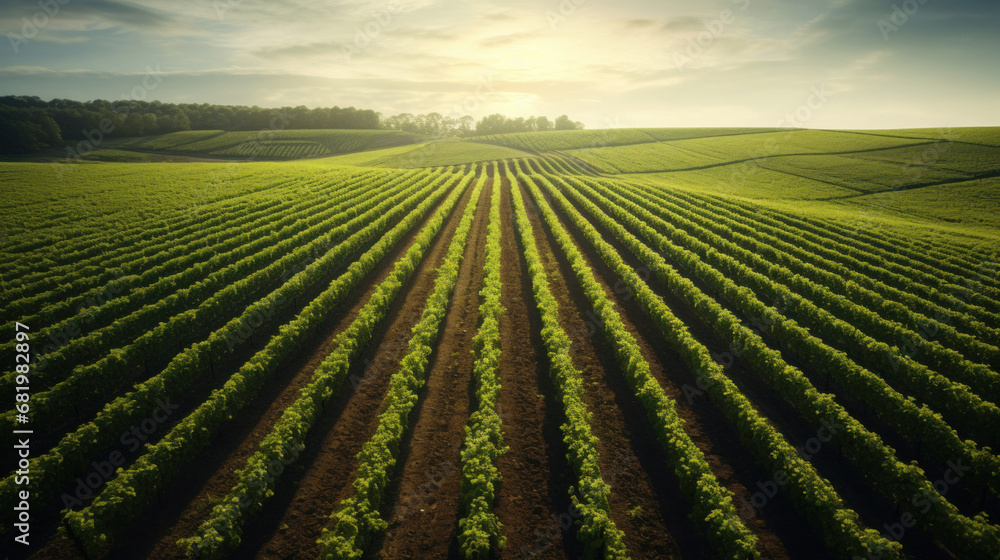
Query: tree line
(435, 124)
(30, 124)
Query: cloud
(506, 39)
(89, 15)
(302, 50)
(683, 24)
(501, 16)
(126, 14)
(14, 71)
(604, 58)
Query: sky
(607, 63)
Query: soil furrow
(180, 514)
(214, 472)
(312, 487)
(849, 482)
(424, 496)
(645, 503)
(533, 498)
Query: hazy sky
(627, 63)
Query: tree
(499, 124)
(180, 122)
(465, 125)
(491, 124)
(563, 122)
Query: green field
(275, 144)
(735, 343)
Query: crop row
(846, 253)
(124, 497)
(916, 270)
(774, 232)
(57, 283)
(287, 149)
(480, 531)
(929, 251)
(712, 503)
(813, 496)
(222, 530)
(850, 285)
(70, 455)
(164, 294)
(358, 517)
(76, 284)
(133, 235)
(172, 322)
(900, 482)
(872, 325)
(976, 415)
(597, 531)
(92, 286)
(912, 421)
(97, 252)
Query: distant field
(750, 181)
(276, 144)
(718, 150)
(697, 343)
(174, 139)
(450, 152)
(664, 134)
(568, 139)
(974, 135)
(975, 202)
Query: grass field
(639, 343)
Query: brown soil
(536, 477)
(850, 483)
(168, 509)
(266, 410)
(425, 494)
(643, 499)
(292, 521)
(732, 464)
(422, 502)
(182, 511)
(155, 361)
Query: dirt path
(425, 492)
